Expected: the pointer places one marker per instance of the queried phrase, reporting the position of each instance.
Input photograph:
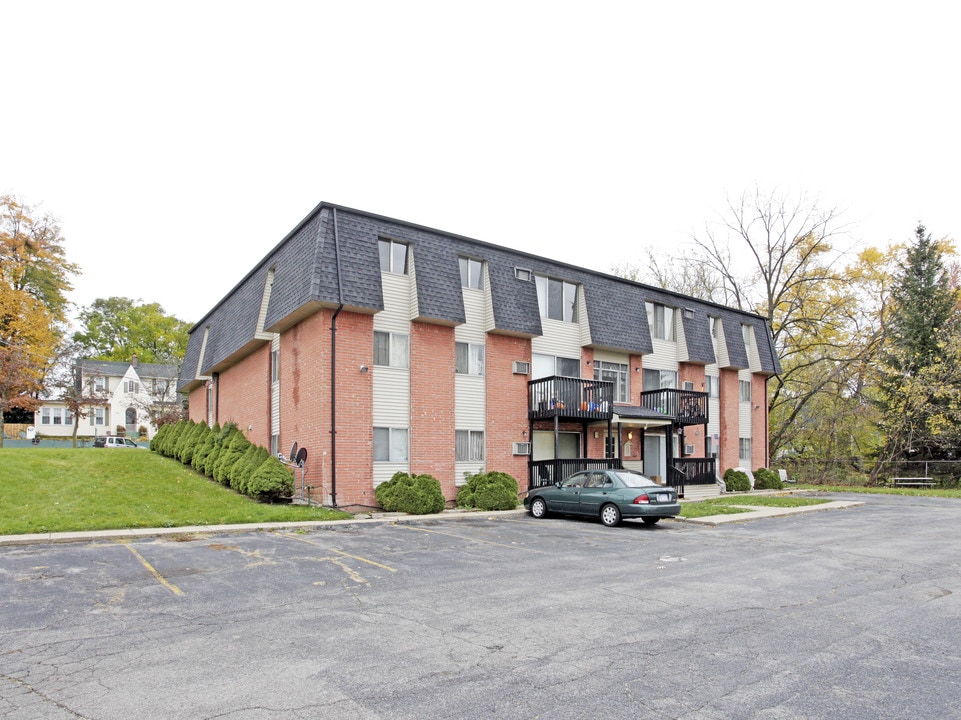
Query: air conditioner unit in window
(522, 368)
(522, 448)
(688, 449)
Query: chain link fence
(859, 471)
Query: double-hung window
(660, 318)
(471, 274)
(391, 349)
(616, 373)
(659, 379)
(744, 450)
(745, 390)
(747, 332)
(469, 445)
(393, 257)
(99, 384)
(390, 444)
(132, 387)
(713, 385)
(557, 299)
(469, 359)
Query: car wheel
(538, 508)
(610, 515)
(650, 521)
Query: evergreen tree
(917, 383)
(923, 304)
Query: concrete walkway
(756, 513)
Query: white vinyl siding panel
(412, 304)
(744, 408)
(470, 391)
(560, 338)
(275, 392)
(664, 356)
(582, 322)
(681, 351)
(391, 386)
(720, 346)
(753, 358)
(713, 404)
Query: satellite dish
(293, 450)
(302, 456)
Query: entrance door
(654, 456)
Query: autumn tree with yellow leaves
(34, 282)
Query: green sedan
(611, 495)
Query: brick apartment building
(378, 345)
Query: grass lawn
(724, 505)
(58, 490)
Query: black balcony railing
(569, 397)
(685, 407)
(547, 472)
(691, 471)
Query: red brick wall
(759, 422)
(305, 413)
(244, 396)
(729, 423)
(506, 406)
(197, 404)
(432, 417)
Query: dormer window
(660, 318)
(393, 257)
(557, 299)
(471, 273)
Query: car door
(567, 498)
(595, 493)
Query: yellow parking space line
(153, 571)
(341, 552)
(362, 559)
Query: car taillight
(641, 499)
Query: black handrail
(569, 397)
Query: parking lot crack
(22, 684)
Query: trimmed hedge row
(226, 455)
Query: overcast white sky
(178, 142)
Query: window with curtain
(390, 444)
(391, 349)
(659, 379)
(745, 390)
(469, 445)
(393, 257)
(469, 359)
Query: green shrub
(765, 479)
(173, 437)
(234, 447)
(188, 441)
(158, 440)
(736, 480)
(271, 481)
(220, 440)
(199, 459)
(417, 495)
(489, 491)
(244, 468)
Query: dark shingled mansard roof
(326, 263)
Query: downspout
(216, 377)
(333, 369)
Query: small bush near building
(765, 479)
(271, 481)
(736, 480)
(489, 491)
(417, 495)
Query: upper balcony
(570, 398)
(685, 407)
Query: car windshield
(633, 479)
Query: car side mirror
(557, 484)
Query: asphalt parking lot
(849, 613)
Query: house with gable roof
(378, 346)
(130, 390)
